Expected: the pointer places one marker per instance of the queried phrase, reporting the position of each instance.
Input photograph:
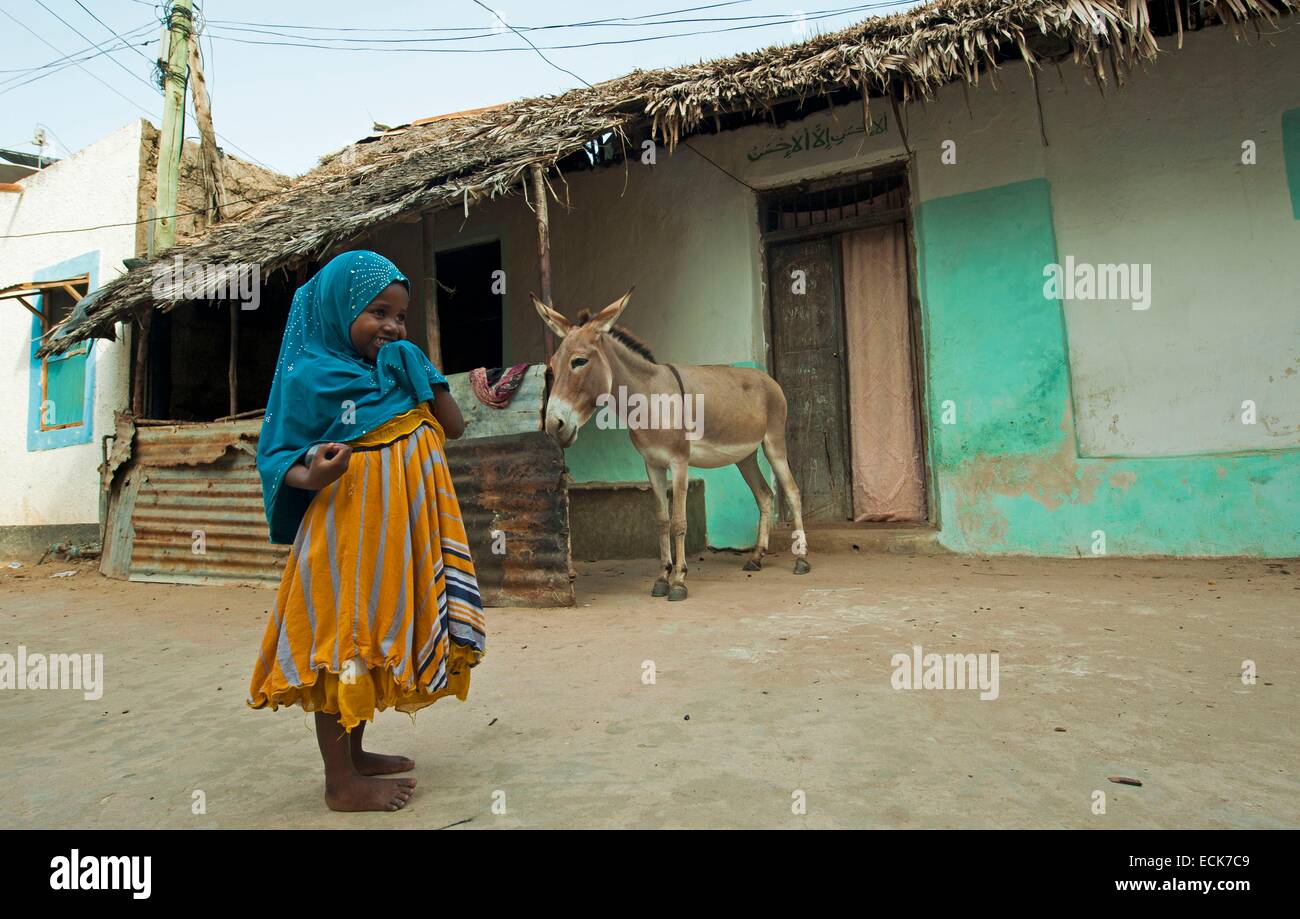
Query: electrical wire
(112, 89)
(33, 74)
(93, 76)
(126, 69)
(589, 22)
(66, 59)
(110, 28)
(790, 20)
(531, 45)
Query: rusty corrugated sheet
(203, 477)
(187, 508)
(192, 444)
(515, 485)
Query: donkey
(740, 408)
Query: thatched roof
(453, 160)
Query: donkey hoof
(752, 565)
(660, 589)
(801, 566)
(678, 592)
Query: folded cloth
(496, 387)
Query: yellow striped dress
(379, 604)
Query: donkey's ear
(554, 321)
(605, 319)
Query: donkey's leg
(677, 581)
(659, 485)
(763, 495)
(774, 447)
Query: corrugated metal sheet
(192, 487)
(202, 477)
(515, 485)
(192, 444)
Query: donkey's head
(579, 368)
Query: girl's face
(384, 320)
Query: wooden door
(807, 360)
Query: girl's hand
(330, 462)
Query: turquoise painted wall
(1291, 155)
(730, 512)
(1008, 473)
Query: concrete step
(891, 539)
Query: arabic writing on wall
(820, 137)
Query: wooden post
(214, 181)
(181, 21)
(163, 237)
(214, 193)
(543, 246)
(141, 336)
(141, 363)
(232, 376)
(430, 289)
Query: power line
(121, 94)
(16, 82)
(621, 22)
(590, 22)
(93, 76)
(110, 28)
(824, 14)
(66, 59)
(531, 45)
(128, 71)
(135, 223)
(27, 75)
(234, 25)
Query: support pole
(432, 331)
(232, 376)
(180, 21)
(141, 362)
(214, 181)
(538, 182)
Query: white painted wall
(96, 186)
(1150, 174)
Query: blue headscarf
(324, 391)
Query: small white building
(65, 231)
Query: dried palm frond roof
(455, 160)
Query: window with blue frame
(63, 376)
(61, 386)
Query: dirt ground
(765, 686)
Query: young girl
(379, 605)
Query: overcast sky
(285, 105)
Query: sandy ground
(786, 682)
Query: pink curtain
(888, 477)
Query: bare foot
(362, 793)
(381, 763)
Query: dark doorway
(469, 308)
(189, 353)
